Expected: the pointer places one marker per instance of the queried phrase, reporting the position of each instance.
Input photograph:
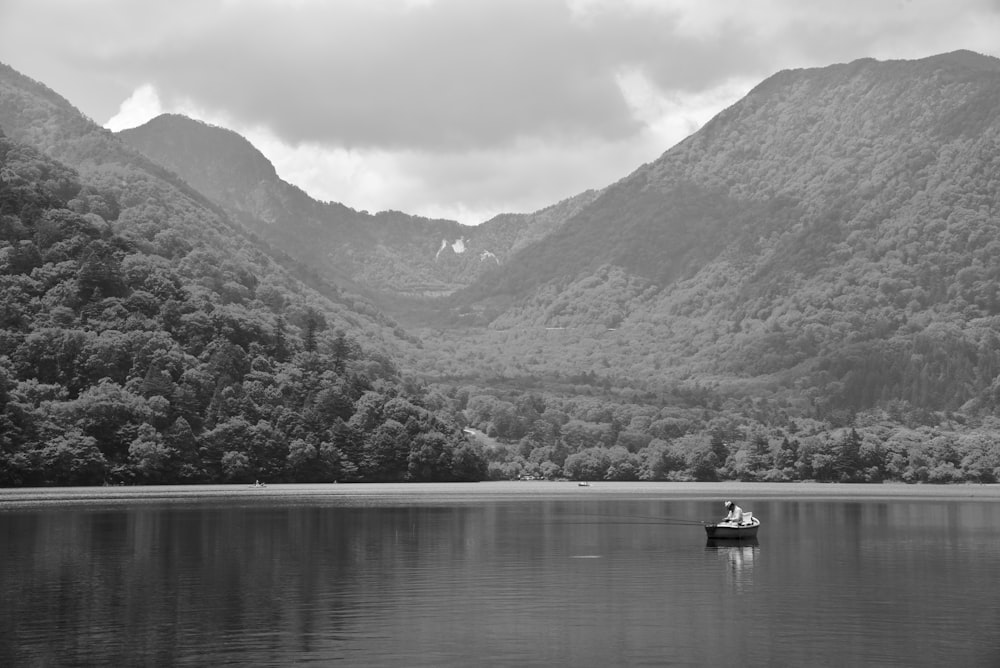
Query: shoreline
(353, 494)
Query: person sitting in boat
(735, 513)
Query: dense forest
(805, 289)
(129, 354)
(829, 241)
(810, 276)
(597, 434)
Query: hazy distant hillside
(390, 252)
(835, 232)
(514, 231)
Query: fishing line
(648, 524)
(624, 519)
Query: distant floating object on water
(583, 484)
(256, 485)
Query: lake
(499, 574)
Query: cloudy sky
(456, 108)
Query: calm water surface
(527, 574)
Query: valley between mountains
(808, 287)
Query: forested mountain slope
(807, 288)
(831, 239)
(805, 146)
(387, 254)
(146, 337)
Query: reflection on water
(738, 556)
(590, 581)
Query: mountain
(830, 239)
(146, 337)
(806, 288)
(391, 254)
(793, 242)
(801, 146)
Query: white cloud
(142, 105)
(469, 186)
(671, 116)
(462, 109)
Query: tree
(701, 459)
(659, 459)
(848, 465)
(181, 440)
(99, 274)
(430, 458)
(107, 412)
(235, 466)
(302, 465)
(150, 458)
(788, 454)
(622, 465)
(467, 462)
(387, 450)
(588, 464)
(312, 323)
(334, 465)
(341, 352)
(72, 458)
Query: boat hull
(731, 531)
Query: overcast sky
(456, 108)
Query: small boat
(583, 484)
(732, 530)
